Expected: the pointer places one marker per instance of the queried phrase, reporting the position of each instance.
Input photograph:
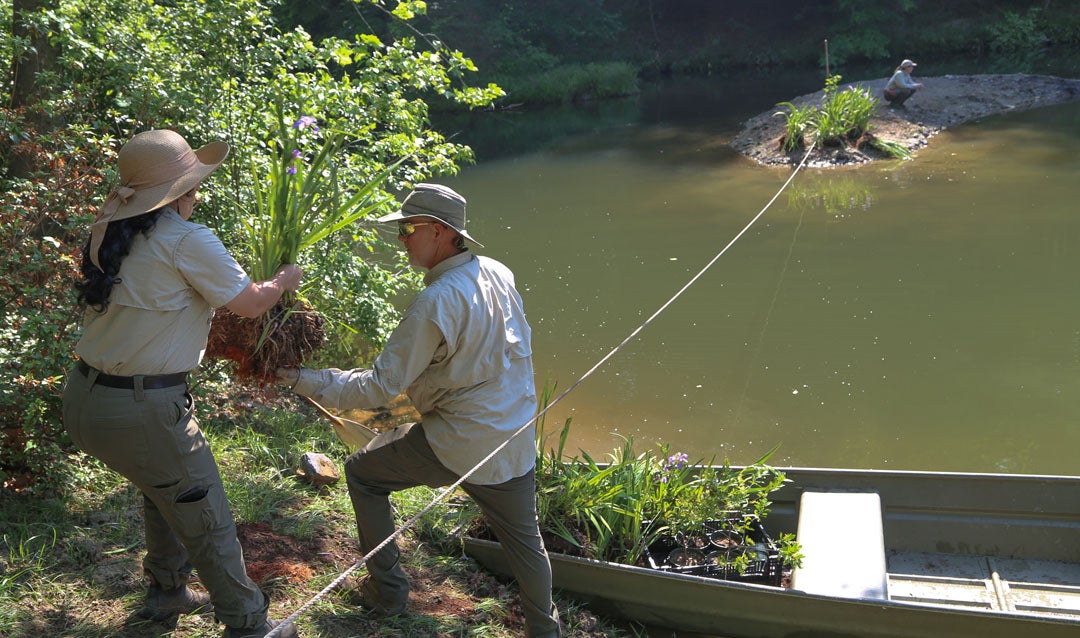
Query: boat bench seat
(843, 545)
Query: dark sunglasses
(404, 229)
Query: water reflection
(907, 315)
(839, 196)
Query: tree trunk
(26, 95)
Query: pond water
(919, 315)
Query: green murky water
(920, 315)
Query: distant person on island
(901, 86)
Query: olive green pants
(152, 438)
(400, 459)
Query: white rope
(440, 497)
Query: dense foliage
(210, 70)
(514, 43)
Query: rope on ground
(441, 496)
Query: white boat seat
(843, 545)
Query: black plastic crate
(764, 567)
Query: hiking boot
(162, 604)
(287, 630)
(371, 600)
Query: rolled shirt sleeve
(408, 352)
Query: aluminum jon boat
(887, 554)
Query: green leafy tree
(865, 29)
(210, 69)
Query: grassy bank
(571, 84)
(70, 561)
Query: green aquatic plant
(843, 117)
(844, 114)
(799, 122)
(893, 149)
(299, 201)
(613, 511)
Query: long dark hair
(95, 286)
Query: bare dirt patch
(943, 101)
(272, 558)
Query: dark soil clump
(291, 334)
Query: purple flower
(676, 461)
(304, 122)
(291, 170)
(296, 153)
(679, 459)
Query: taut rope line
(441, 496)
(765, 323)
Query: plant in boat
(613, 511)
(298, 203)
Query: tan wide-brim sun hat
(435, 201)
(156, 167)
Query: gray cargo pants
(152, 438)
(400, 459)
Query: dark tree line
(708, 36)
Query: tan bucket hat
(156, 167)
(438, 202)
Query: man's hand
(288, 376)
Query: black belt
(151, 382)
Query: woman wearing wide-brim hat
(151, 280)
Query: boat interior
(1006, 543)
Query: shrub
(41, 232)
(1015, 33)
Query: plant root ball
(292, 333)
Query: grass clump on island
(842, 118)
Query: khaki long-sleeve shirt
(160, 310)
(463, 354)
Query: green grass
(573, 83)
(70, 561)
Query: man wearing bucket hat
(901, 86)
(150, 282)
(462, 352)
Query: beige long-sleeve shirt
(159, 312)
(463, 354)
